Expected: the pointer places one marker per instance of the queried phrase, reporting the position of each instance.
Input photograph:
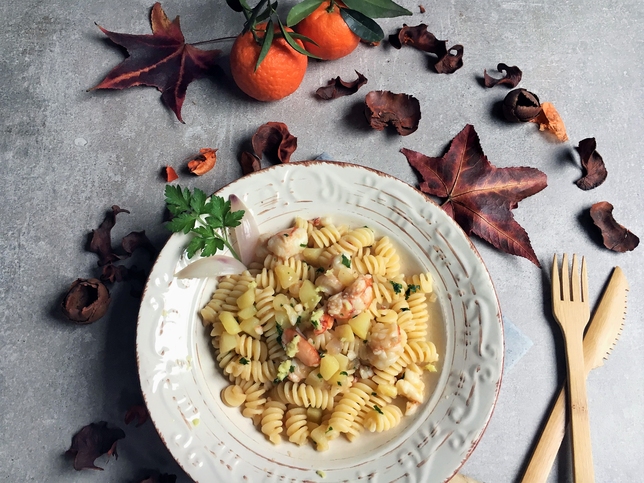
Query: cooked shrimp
(306, 353)
(300, 371)
(385, 344)
(324, 324)
(353, 300)
(328, 283)
(288, 243)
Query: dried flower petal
(521, 105)
(420, 38)
(274, 139)
(616, 237)
(203, 162)
(421, 9)
(249, 163)
(511, 78)
(592, 163)
(93, 441)
(450, 62)
(400, 110)
(138, 412)
(550, 119)
(86, 301)
(338, 88)
(138, 239)
(170, 174)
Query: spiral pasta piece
(252, 370)
(383, 419)
(370, 264)
(272, 424)
(304, 395)
(419, 352)
(387, 251)
(325, 236)
(251, 348)
(423, 281)
(255, 401)
(349, 244)
(296, 424)
(233, 396)
(349, 406)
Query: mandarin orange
(328, 29)
(279, 74)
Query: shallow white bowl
(181, 383)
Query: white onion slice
(247, 233)
(212, 267)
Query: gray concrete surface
(67, 155)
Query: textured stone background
(67, 155)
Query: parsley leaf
(410, 290)
(243, 361)
(207, 218)
(346, 261)
(397, 286)
(377, 409)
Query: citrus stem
(220, 39)
(332, 5)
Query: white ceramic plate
(181, 382)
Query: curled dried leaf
(137, 412)
(249, 163)
(420, 38)
(101, 239)
(170, 174)
(400, 110)
(521, 105)
(592, 163)
(450, 62)
(421, 9)
(93, 441)
(616, 237)
(511, 78)
(550, 119)
(86, 301)
(135, 240)
(203, 162)
(274, 139)
(338, 88)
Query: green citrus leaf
(266, 13)
(266, 43)
(362, 26)
(302, 10)
(291, 41)
(303, 38)
(377, 8)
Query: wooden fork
(571, 309)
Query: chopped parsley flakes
(410, 290)
(243, 361)
(346, 261)
(397, 286)
(377, 409)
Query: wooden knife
(602, 334)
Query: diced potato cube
(346, 276)
(227, 342)
(247, 298)
(280, 301)
(286, 275)
(360, 324)
(328, 367)
(308, 295)
(314, 415)
(340, 379)
(315, 378)
(247, 313)
(344, 333)
(230, 324)
(250, 326)
(311, 255)
(343, 361)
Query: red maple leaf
(162, 60)
(478, 195)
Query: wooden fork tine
(556, 287)
(565, 279)
(584, 280)
(574, 281)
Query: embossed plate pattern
(181, 383)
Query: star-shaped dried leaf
(162, 60)
(511, 78)
(338, 88)
(616, 237)
(478, 195)
(400, 110)
(93, 441)
(592, 163)
(274, 140)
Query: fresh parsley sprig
(207, 218)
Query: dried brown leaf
(203, 162)
(450, 62)
(86, 301)
(137, 412)
(101, 238)
(616, 237)
(400, 110)
(338, 88)
(93, 441)
(511, 78)
(592, 163)
(274, 140)
(170, 174)
(521, 105)
(249, 163)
